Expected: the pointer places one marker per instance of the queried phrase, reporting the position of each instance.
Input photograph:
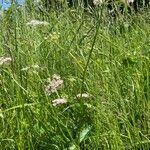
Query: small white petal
(59, 101)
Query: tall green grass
(109, 58)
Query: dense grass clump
(72, 79)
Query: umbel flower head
(37, 23)
(5, 60)
(59, 101)
(53, 85)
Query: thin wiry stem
(90, 55)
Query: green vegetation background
(93, 52)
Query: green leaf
(84, 133)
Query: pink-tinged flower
(83, 95)
(5, 60)
(53, 85)
(37, 23)
(59, 101)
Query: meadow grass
(105, 59)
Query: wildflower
(59, 101)
(83, 95)
(53, 84)
(5, 60)
(97, 2)
(37, 23)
